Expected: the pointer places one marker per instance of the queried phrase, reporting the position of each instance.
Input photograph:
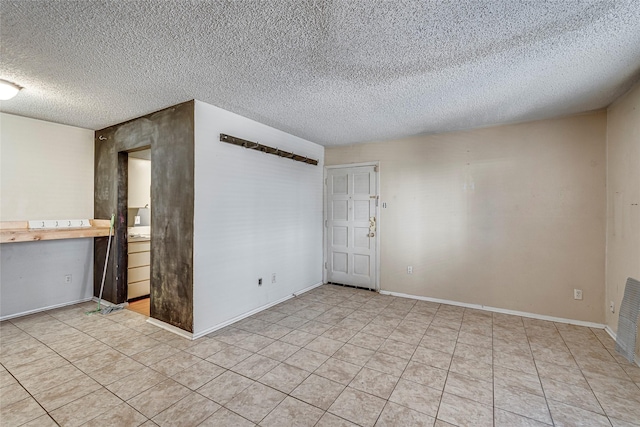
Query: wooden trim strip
(266, 149)
(19, 231)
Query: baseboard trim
(499, 310)
(254, 311)
(168, 327)
(38, 310)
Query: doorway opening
(138, 210)
(351, 225)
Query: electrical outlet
(273, 278)
(577, 294)
(410, 269)
(68, 278)
(612, 306)
(260, 281)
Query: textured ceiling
(333, 72)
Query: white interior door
(352, 226)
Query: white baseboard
(254, 311)
(167, 327)
(499, 310)
(38, 310)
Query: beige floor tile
(306, 359)
(275, 332)
(314, 328)
(378, 330)
(374, 382)
(292, 322)
(225, 418)
(509, 419)
(229, 356)
(446, 345)
(464, 412)
(330, 420)
(255, 366)
(324, 345)
(338, 370)
(111, 373)
(469, 351)
(398, 349)
(368, 341)
(571, 394)
(619, 408)
(46, 380)
(425, 374)
(568, 416)
(121, 415)
(470, 388)
(475, 339)
(416, 396)
(388, 364)
(394, 415)
(318, 391)
(284, 378)
(86, 408)
(230, 335)
(358, 407)
(504, 377)
(134, 384)
(431, 357)
(339, 334)
(279, 350)
(12, 394)
(255, 402)
(37, 367)
(158, 398)
(254, 342)
(472, 368)
(176, 363)
(292, 413)
(20, 412)
(6, 379)
(198, 375)
(42, 421)
(522, 403)
(187, 412)
(354, 354)
(207, 348)
(66, 392)
(225, 387)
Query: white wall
(511, 217)
(46, 172)
(623, 199)
(255, 214)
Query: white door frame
(325, 247)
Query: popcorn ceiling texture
(333, 72)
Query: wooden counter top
(19, 231)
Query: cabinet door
(139, 259)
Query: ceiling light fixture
(8, 90)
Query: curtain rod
(266, 149)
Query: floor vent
(628, 320)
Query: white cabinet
(138, 273)
(139, 183)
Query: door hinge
(375, 168)
(325, 223)
(325, 265)
(325, 181)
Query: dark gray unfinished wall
(170, 134)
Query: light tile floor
(334, 356)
